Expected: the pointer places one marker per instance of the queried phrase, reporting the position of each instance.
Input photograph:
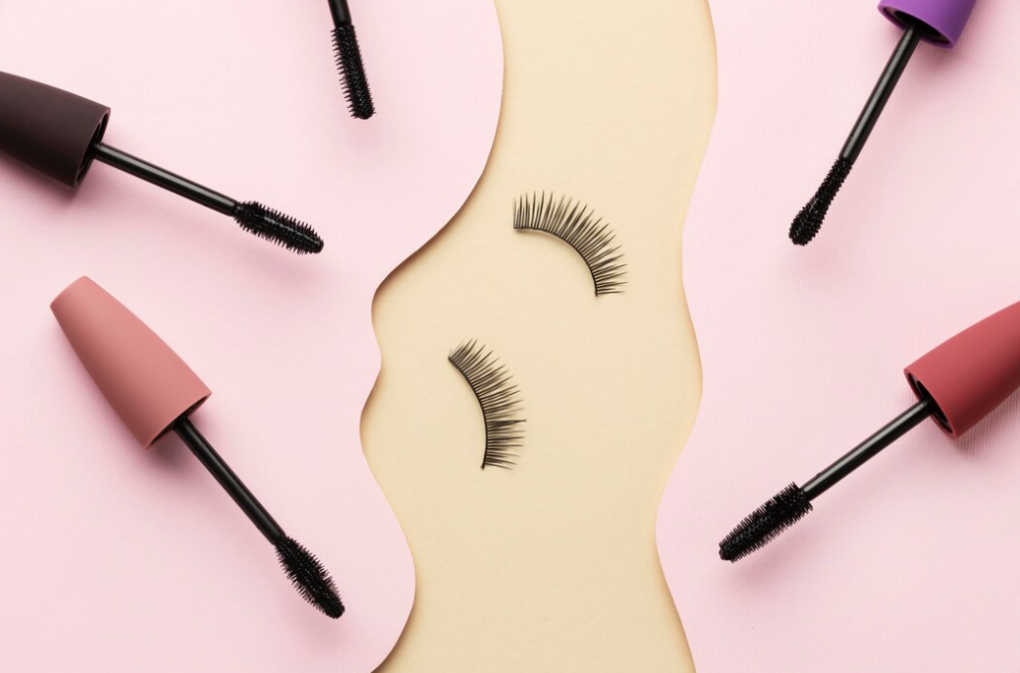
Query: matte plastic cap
(972, 373)
(944, 20)
(49, 129)
(145, 382)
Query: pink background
(118, 559)
(909, 564)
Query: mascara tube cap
(971, 374)
(941, 21)
(48, 129)
(145, 382)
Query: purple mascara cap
(942, 21)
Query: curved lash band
(578, 227)
(499, 399)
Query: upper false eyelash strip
(499, 399)
(578, 227)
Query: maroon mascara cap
(49, 129)
(972, 373)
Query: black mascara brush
(155, 392)
(958, 384)
(349, 62)
(939, 22)
(60, 134)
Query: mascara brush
(957, 384)
(349, 63)
(154, 392)
(939, 22)
(60, 134)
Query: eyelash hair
(578, 227)
(499, 399)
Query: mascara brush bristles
(277, 227)
(352, 72)
(809, 220)
(309, 577)
(765, 523)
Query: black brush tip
(310, 578)
(352, 72)
(273, 225)
(765, 523)
(809, 220)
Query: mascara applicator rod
(867, 449)
(230, 482)
(880, 95)
(163, 178)
(341, 12)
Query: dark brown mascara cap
(49, 129)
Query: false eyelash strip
(578, 227)
(499, 399)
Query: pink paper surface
(909, 564)
(119, 559)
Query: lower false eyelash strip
(499, 399)
(578, 227)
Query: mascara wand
(957, 384)
(940, 22)
(794, 502)
(349, 63)
(305, 571)
(154, 391)
(60, 134)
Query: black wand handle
(230, 482)
(164, 178)
(341, 12)
(868, 449)
(880, 95)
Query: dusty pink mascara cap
(146, 383)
